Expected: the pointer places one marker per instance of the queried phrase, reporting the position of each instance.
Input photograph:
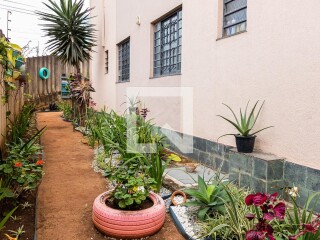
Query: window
(234, 17)
(124, 61)
(107, 61)
(167, 45)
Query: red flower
(257, 199)
(250, 216)
(273, 197)
(255, 235)
(268, 216)
(18, 164)
(280, 210)
(39, 162)
(309, 228)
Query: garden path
(70, 186)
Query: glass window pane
(169, 44)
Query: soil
(144, 205)
(23, 216)
(70, 186)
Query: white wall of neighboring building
(276, 60)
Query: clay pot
(128, 224)
(178, 192)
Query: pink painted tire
(128, 224)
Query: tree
(70, 31)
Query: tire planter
(128, 224)
(245, 144)
(44, 73)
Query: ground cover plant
(21, 167)
(261, 216)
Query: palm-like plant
(70, 31)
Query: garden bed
(24, 216)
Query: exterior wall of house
(276, 60)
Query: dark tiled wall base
(259, 171)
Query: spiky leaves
(71, 34)
(246, 122)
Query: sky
(24, 24)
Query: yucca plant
(245, 123)
(70, 31)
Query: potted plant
(131, 209)
(245, 139)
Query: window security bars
(124, 61)
(167, 45)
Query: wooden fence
(13, 106)
(42, 92)
(47, 91)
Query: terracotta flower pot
(128, 224)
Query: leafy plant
(6, 218)
(18, 232)
(70, 31)
(245, 123)
(301, 222)
(66, 108)
(19, 126)
(22, 170)
(209, 197)
(232, 224)
(130, 166)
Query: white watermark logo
(184, 141)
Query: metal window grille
(167, 45)
(234, 17)
(124, 61)
(107, 61)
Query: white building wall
(277, 60)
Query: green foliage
(6, 218)
(66, 108)
(19, 126)
(299, 217)
(69, 29)
(210, 197)
(232, 224)
(246, 122)
(130, 165)
(22, 170)
(133, 191)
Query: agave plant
(209, 197)
(246, 122)
(70, 31)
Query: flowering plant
(268, 208)
(275, 221)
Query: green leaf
(122, 204)
(202, 213)
(6, 218)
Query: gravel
(178, 199)
(165, 192)
(187, 218)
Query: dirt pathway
(70, 186)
